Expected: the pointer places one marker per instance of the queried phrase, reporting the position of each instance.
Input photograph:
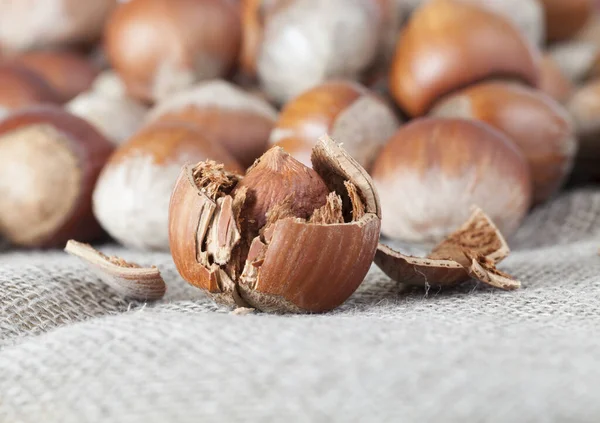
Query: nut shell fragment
(128, 279)
(470, 252)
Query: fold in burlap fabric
(73, 351)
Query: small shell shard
(128, 279)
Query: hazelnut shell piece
(301, 267)
(450, 44)
(88, 149)
(128, 279)
(470, 252)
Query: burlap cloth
(72, 351)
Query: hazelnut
(302, 43)
(449, 44)
(527, 15)
(434, 169)
(68, 73)
(301, 260)
(196, 40)
(131, 199)
(50, 163)
(346, 110)
(20, 87)
(565, 18)
(553, 81)
(538, 125)
(110, 110)
(584, 107)
(29, 24)
(239, 121)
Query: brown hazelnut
(291, 264)
(346, 110)
(68, 73)
(239, 121)
(131, 199)
(302, 43)
(29, 24)
(584, 107)
(109, 108)
(50, 163)
(434, 170)
(20, 87)
(449, 44)
(527, 15)
(553, 81)
(537, 124)
(162, 46)
(565, 18)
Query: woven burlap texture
(73, 351)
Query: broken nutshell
(130, 280)
(472, 251)
(284, 238)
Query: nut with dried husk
(346, 110)
(130, 280)
(472, 251)
(284, 238)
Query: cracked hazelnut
(239, 121)
(538, 125)
(50, 163)
(20, 87)
(314, 248)
(346, 110)
(131, 199)
(297, 44)
(434, 170)
(162, 46)
(450, 44)
(68, 73)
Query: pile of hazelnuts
(137, 119)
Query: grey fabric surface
(73, 351)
